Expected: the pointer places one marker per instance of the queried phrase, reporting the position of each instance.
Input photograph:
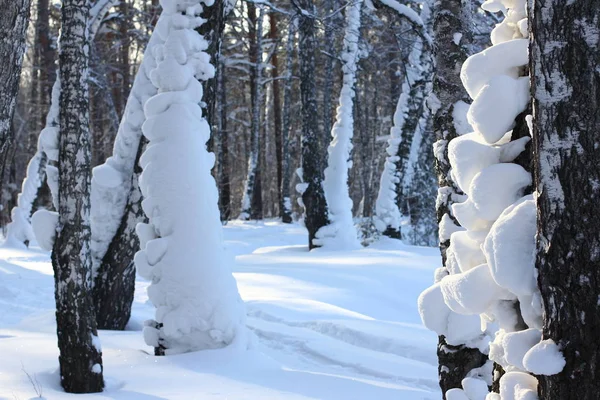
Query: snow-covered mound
(326, 325)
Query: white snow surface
(496, 106)
(327, 325)
(497, 187)
(544, 358)
(468, 155)
(471, 292)
(44, 224)
(510, 248)
(518, 386)
(502, 59)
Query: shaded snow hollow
(326, 325)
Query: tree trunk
(47, 57)
(124, 23)
(274, 36)
(329, 66)
(252, 198)
(450, 17)
(212, 31)
(285, 208)
(114, 284)
(313, 197)
(223, 151)
(113, 234)
(13, 27)
(564, 68)
(80, 355)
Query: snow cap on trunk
(196, 298)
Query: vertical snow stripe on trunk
(341, 233)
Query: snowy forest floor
(328, 325)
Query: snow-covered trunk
(13, 27)
(367, 154)
(111, 181)
(566, 120)
(490, 264)
(19, 230)
(341, 233)
(415, 124)
(116, 207)
(387, 214)
(451, 35)
(114, 282)
(196, 298)
(80, 354)
(250, 201)
(404, 145)
(285, 208)
(422, 190)
(311, 188)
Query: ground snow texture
(327, 325)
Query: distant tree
(340, 232)
(286, 202)
(313, 197)
(13, 27)
(252, 198)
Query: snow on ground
(327, 325)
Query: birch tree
(450, 18)
(564, 63)
(80, 354)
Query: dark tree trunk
(80, 356)
(124, 23)
(564, 68)
(450, 16)
(285, 207)
(212, 31)
(114, 284)
(252, 200)
(13, 27)
(329, 69)
(223, 151)
(313, 197)
(274, 36)
(47, 58)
